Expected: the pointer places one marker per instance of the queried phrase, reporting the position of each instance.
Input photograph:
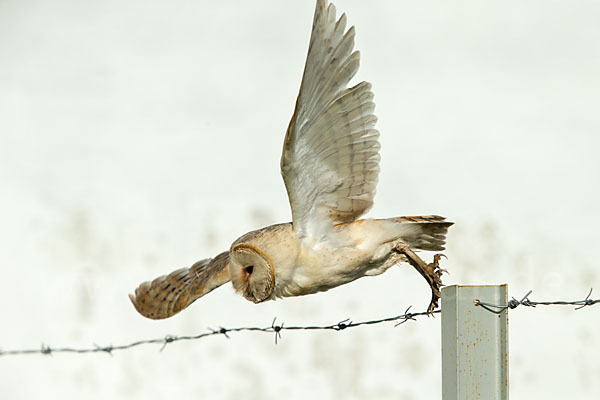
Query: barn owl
(330, 166)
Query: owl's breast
(303, 267)
(320, 269)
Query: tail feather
(430, 233)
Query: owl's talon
(431, 272)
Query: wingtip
(139, 307)
(136, 305)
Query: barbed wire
(525, 301)
(276, 329)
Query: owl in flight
(330, 166)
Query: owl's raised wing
(168, 294)
(330, 159)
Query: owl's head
(251, 272)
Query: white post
(474, 344)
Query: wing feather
(330, 158)
(166, 295)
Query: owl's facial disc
(251, 273)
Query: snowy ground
(137, 137)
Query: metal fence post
(474, 344)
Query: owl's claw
(431, 272)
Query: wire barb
(407, 316)
(106, 349)
(168, 339)
(46, 349)
(587, 301)
(342, 324)
(277, 329)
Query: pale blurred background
(137, 137)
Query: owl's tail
(425, 232)
(165, 296)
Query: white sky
(137, 137)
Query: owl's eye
(249, 269)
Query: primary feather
(330, 158)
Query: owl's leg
(431, 272)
